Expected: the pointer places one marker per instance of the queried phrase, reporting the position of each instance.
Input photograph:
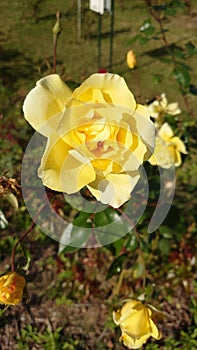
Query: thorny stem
(164, 38)
(23, 236)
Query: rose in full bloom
(11, 288)
(136, 324)
(168, 148)
(160, 107)
(131, 59)
(98, 136)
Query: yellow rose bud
(131, 59)
(57, 27)
(11, 288)
(136, 324)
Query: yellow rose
(11, 288)
(168, 148)
(136, 324)
(97, 136)
(131, 59)
(160, 106)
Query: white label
(97, 6)
(107, 5)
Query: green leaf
(13, 201)
(190, 48)
(166, 60)
(143, 40)
(27, 255)
(109, 226)
(147, 28)
(150, 31)
(166, 232)
(138, 269)
(116, 266)
(132, 243)
(116, 246)
(75, 234)
(146, 24)
(170, 11)
(3, 221)
(101, 219)
(157, 78)
(134, 39)
(82, 220)
(177, 52)
(66, 249)
(181, 74)
(193, 89)
(165, 245)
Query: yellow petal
(144, 126)
(175, 155)
(76, 173)
(163, 101)
(114, 189)
(124, 136)
(179, 144)
(116, 316)
(165, 132)
(43, 104)
(154, 109)
(52, 162)
(173, 108)
(137, 324)
(162, 155)
(133, 343)
(110, 88)
(155, 333)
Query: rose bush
(136, 324)
(11, 288)
(98, 136)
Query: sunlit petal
(45, 102)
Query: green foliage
(49, 340)
(116, 266)
(176, 56)
(181, 74)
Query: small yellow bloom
(160, 106)
(131, 59)
(168, 148)
(136, 324)
(98, 136)
(11, 288)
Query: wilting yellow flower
(97, 135)
(136, 324)
(160, 106)
(168, 148)
(131, 59)
(11, 288)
